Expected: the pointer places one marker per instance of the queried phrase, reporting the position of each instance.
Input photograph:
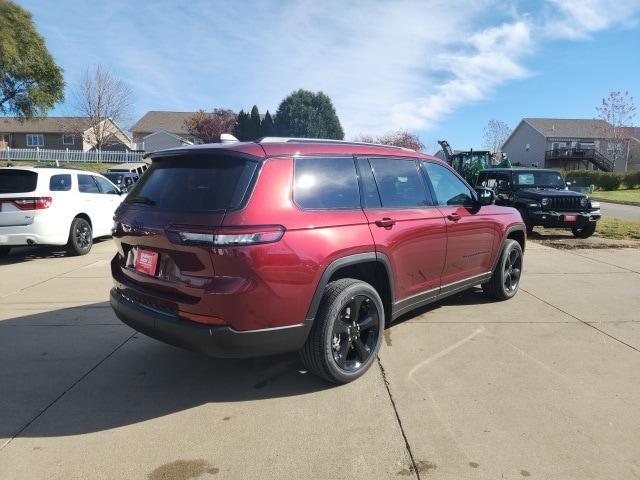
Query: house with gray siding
(570, 144)
(172, 125)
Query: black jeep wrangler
(542, 198)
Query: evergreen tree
(308, 115)
(267, 128)
(255, 123)
(242, 132)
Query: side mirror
(486, 196)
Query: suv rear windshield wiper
(143, 200)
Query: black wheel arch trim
(509, 231)
(342, 262)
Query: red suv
(248, 249)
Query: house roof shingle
(568, 127)
(44, 125)
(172, 122)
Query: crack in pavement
(414, 466)
(603, 262)
(588, 324)
(82, 377)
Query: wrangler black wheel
(346, 333)
(585, 231)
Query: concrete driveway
(546, 385)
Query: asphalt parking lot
(546, 385)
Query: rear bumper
(44, 230)
(25, 237)
(557, 219)
(216, 341)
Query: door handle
(386, 222)
(454, 217)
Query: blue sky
(441, 68)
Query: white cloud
(402, 64)
(577, 19)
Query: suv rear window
(17, 181)
(326, 183)
(191, 184)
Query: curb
(617, 202)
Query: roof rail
(325, 140)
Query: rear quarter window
(18, 181)
(60, 183)
(326, 183)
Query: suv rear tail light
(29, 203)
(225, 236)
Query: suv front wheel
(347, 332)
(506, 276)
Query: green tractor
(469, 163)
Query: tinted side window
(370, 197)
(106, 185)
(448, 188)
(60, 183)
(399, 183)
(86, 184)
(326, 183)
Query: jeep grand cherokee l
(250, 249)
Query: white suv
(55, 206)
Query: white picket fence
(47, 155)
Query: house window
(67, 139)
(35, 140)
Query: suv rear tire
(506, 276)
(342, 346)
(585, 231)
(80, 237)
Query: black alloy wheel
(355, 333)
(512, 270)
(505, 280)
(346, 333)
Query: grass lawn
(91, 167)
(631, 195)
(620, 229)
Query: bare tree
(494, 135)
(396, 138)
(617, 110)
(101, 96)
(209, 126)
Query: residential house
(58, 133)
(157, 130)
(570, 144)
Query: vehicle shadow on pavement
(88, 372)
(472, 296)
(37, 252)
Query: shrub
(609, 181)
(631, 179)
(582, 178)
